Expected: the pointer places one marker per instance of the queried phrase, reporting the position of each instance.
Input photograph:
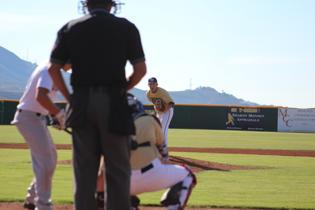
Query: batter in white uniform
(148, 172)
(30, 119)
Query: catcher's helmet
(85, 3)
(135, 105)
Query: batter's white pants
(43, 153)
(161, 176)
(165, 119)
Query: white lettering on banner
(239, 115)
(296, 120)
(248, 120)
(245, 118)
(256, 115)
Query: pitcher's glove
(159, 105)
(59, 120)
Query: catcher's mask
(84, 4)
(135, 105)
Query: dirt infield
(18, 206)
(301, 153)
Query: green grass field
(285, 183)
(202, 138)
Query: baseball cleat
(29, 206)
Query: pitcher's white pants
(165, 119)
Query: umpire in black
(98, 45)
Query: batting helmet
(135, 105)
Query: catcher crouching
(149, 173)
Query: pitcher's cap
(152, 79)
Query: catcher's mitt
(159, 105)
(163, 150)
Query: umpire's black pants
(89, 142)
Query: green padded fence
(196, 116)
(7, 110)
(224, 117)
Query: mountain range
(14, 73)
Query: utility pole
(190, 84)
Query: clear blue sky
(258, 50)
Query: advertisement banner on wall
(296, 120)
(251, 118)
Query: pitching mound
(195, 165)
(201, 165)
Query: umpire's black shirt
(98, 46)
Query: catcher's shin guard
(29, 206)
(177, 196)
(100, 200)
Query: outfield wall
(7, 110)
(259, 118)
(225, 117)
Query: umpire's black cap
(100, 2)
